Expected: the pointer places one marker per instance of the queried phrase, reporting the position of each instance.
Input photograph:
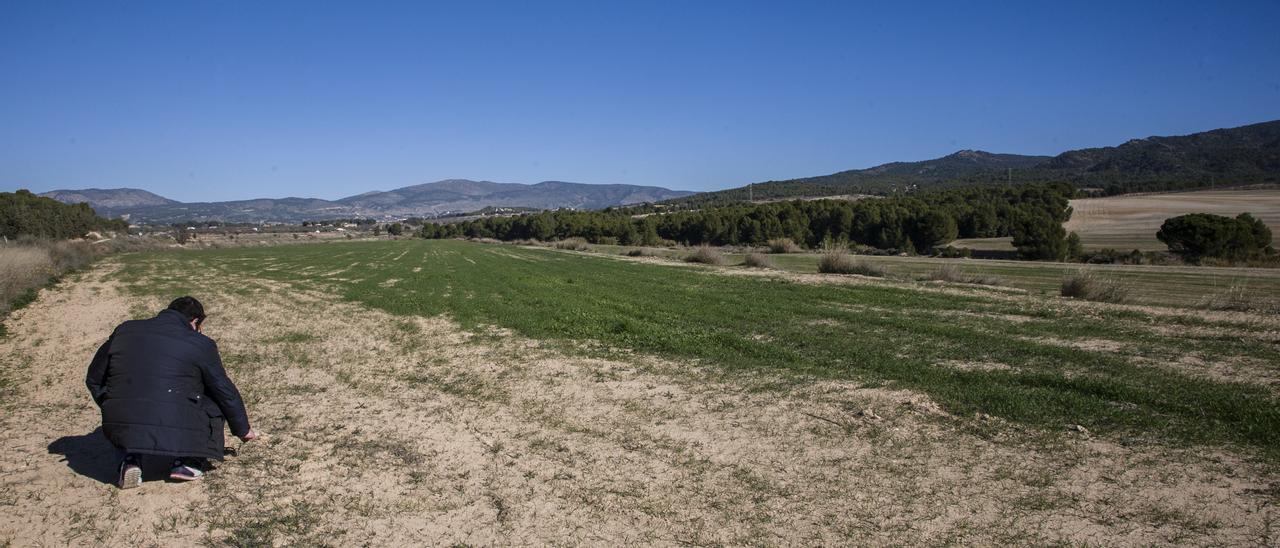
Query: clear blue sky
(228, 100)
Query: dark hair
(189, 307)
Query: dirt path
(387, 431)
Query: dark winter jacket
(163, 391)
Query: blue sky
(228, 100)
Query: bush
(573, 244)
(757, 260)
(838, 261)
(876, 251)
(783, 245)
(1087, 285)
(950, 252)
(639, 252)
(607, 240)
(1135, 257)
(1075, 249)
(706, 255)
(953, 273)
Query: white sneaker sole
(183, 477)
(132, 478)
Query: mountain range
(1233, 156)
(424, 200)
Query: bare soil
(386, 430)
(1131, 221)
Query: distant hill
(464, 195)
(1245, 154)
(425, 200)
(1242, 155)
(882, 179)
(109, 197)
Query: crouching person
(163, 391)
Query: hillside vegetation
(1243, 155)
(25, 214)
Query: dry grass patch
(706, 255)
(21, 270)
(1089, 286)
(1240, 298)
(757, 260)
(838, 261)
(573, 244)
(954, 274)
(783, 245)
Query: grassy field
(1130, 222)
(459, 393)
(1054, 364)
(1185, 287)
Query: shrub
(1087, 285)
(705, 255)
(953, 273)
(950, 252)
(638, 252)
(572, 244)
(838, 261)
(607, 240)
(71, 255)
(757, 260)
(783, 245)
(1075, 249)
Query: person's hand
(250, 435)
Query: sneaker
(185, 470)
(130, 473)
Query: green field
(1154, 285)
(1030, 359)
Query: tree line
(23, 213)
(1031, 214)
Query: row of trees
(1031, 214)
(24, 213)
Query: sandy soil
(383, 430)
